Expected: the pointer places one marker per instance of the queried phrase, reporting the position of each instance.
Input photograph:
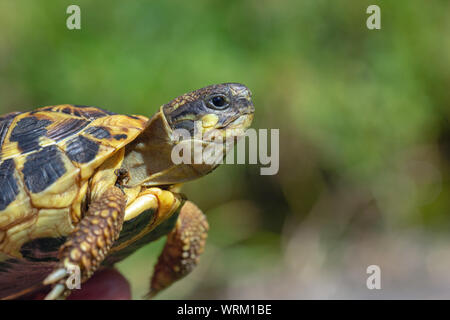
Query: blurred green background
(363, 118)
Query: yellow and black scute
(47, 157)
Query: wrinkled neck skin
(148, 158)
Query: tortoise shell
(46, 159)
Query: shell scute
(27, 131)
(43, 168)
(46, 159)
(85, 112)
(8, 182)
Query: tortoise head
(222, 109)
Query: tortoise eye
(219, 102)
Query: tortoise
(82, 188)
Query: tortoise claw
(55, 276)
(56, 293)
(58, 279)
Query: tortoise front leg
(184, 245)
(89, 243)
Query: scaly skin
(91, 240)
(185, 243)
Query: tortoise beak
(244, 110)
(242, 121)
